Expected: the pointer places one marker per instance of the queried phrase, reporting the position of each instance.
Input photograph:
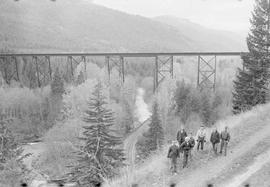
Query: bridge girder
(164, 65)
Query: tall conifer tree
(101, 153)
(12, 168)
(206, 109)
(57, 85)
(250, 86)
(127, 121)
(153, 139)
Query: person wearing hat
(173, 153)
(186, 147)
(201, 134)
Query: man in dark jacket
(185, 146)
(225, 138)
(181, 135)
(192, 144)
(215, 139)
(173, 153)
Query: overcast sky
(230, 15)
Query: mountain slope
(204, 36)
(76, 25)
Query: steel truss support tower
(206, 77)
(163, 68)
(119, 63)
(10, 68)
(43, 69)
(73, 62)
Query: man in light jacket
(186, 147)
(201, 134)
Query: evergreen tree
(12, 169)
(153, 139)
(250, 86)
(205, 109)
(187, 101)
(182, 99)
(128, 121)
(127, 99)
(215, 114)
(56, 96)
(67, 111)
(242, 100)
(101, 153)
(80, 78)
(57, 85)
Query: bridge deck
(127, 54)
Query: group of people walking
(186, 142)
(224, 137)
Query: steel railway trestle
(42, 62)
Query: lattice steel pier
(164, 65)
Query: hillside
(204, 36)
(249, 144)
(76, 25)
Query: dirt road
(35, 149)
(260, 161)
(260, 178)
(130, 142)
(143, 114)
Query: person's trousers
(200, 143)
(185, 159)
(224, 145)
(174, 164)
(190, 153)
(215, 147)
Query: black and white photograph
(134, 93)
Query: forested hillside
(38, 25)
(204, 36)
